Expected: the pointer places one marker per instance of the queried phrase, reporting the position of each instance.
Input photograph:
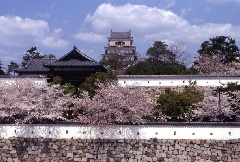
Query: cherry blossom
(113, 104)
(215, 107)
(214, 65)
(28, 99)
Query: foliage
(69, 88)
(11, 67)
(223, 45)
(1, 68)
(178, 105)
(190, 71)
(163, 60)
(159, 52)
(230, 87)
(113, 104)
(168, 68)
(163, 68)
(115, 61)
(25, 101)
(31, 54)
(91, 83)
(218, 56)
(141, 68)
(57, 80)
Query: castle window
(119, 43)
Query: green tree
(159, 53)
(163, 68)
(57, 80)
(178, 105)
(168, 68)
(91, 83)
(115, 61)
(31, 54)
(69, 88)
(141, 68)
(226, 46)
(191, 71)
(1, 68)
(11, 67)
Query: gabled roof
(72, 63)
(75, 54)
(74, 58)
(120, 35)
(35, 65)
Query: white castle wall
(159, 80)
(175, 80)
(120, 132)
(12, 80)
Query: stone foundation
(119, 150)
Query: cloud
(44, 16)
(139, 17)
(89, 37)
(168, 3)
(152, 23)
(185, 11)
(16, 31)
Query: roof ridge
(81, 53)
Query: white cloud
(152, 23)
(185, 11)
(44, 16)
(16, 31)
(169, 3)
(89, 37)
(138, 17)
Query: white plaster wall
(36, 80)
(127, 42)
(120, 132)
(163, 82)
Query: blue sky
(55, 26)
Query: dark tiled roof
(35, 65)
(74, 58)
(75, 54)
(120, 35)
(71, 59)
(73, 63)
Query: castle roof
(120, 35)
(35, 65)
(73, 58)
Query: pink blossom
(113, 104)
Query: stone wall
(44, 149)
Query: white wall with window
(177, 80)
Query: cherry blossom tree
(214, 65)
(113, 104)
(24, 100)
(213, 109)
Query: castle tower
(120, 50)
